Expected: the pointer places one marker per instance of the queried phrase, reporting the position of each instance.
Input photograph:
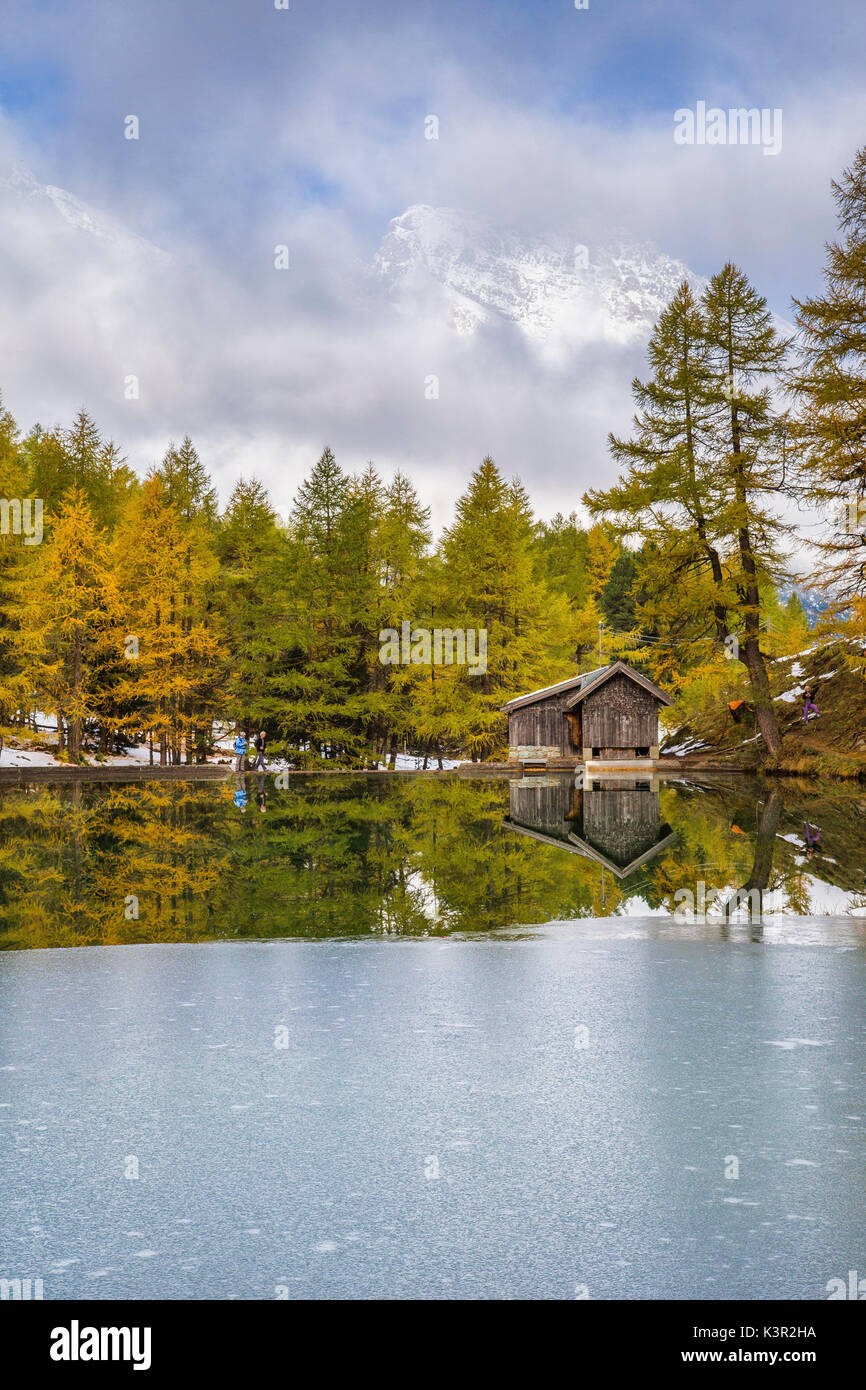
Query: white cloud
(317, 145)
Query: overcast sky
(305, 127)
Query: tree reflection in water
(405, 855)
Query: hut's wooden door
(574, 726)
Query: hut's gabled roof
(583, 684)
(665, 840)
(595, 679)
(544, 694)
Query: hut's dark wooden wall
(620, 715)
(545, 804)
(543, 725)
(621, 824)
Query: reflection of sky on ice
(844, 933)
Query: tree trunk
(75, 746)
(765, 843)
(751, 656)
(765, 716)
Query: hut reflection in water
(616, 822)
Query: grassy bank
(831, 745)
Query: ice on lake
(511, 1117)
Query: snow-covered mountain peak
(553, 287)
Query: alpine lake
(433, 1036)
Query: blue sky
(261, 126)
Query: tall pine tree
(165, 574)
(254, 601)
(187, 484)
(488, 583)
(702, 477)
(67, 607)
(829, 424)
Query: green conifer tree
(187, 484)
(488, 584)
(254, 603)
(324, 685)
(59, 460)
(829, 424)
(746, 355)
(702, 475)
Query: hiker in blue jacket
(240, 751)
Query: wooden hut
(610, 715)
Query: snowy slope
(19, 186)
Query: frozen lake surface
(509, 1117)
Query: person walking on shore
(260, 744)
(240, 751)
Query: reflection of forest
(404, 855)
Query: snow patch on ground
(138, 753)
(23, 757)
(405, 762)
(691, 745)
